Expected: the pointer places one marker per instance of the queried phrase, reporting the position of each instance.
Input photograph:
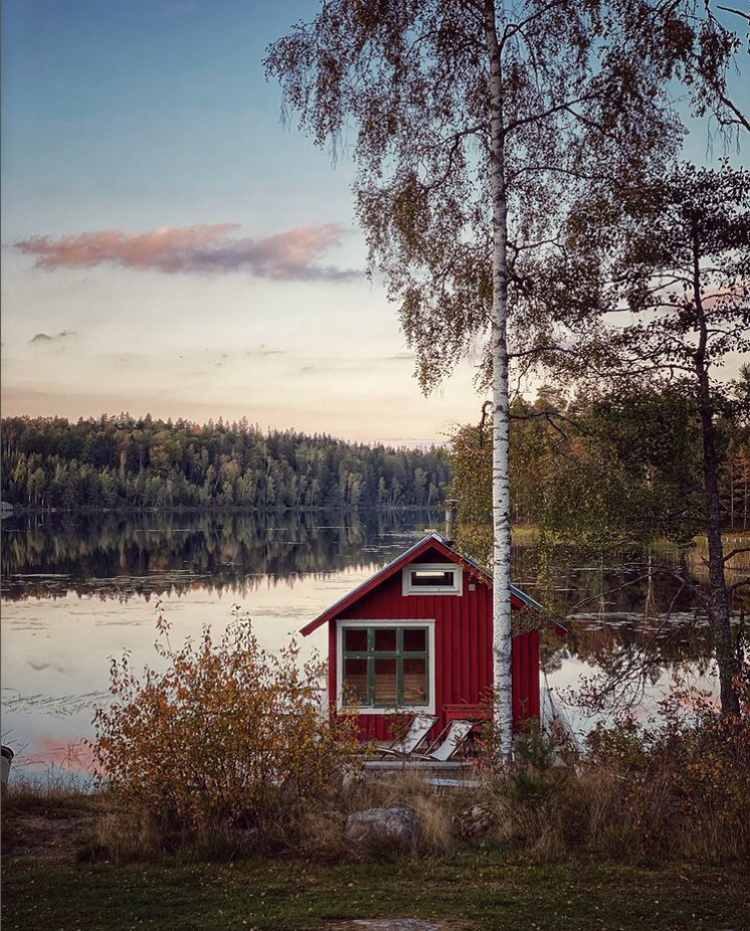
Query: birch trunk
(501, 608)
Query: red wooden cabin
(417, 637)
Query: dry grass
(321, 829)
(48, 812)
(632, 797)
(540, 817)
(123, 836)
(598, 813)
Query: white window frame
(458, 579)
(343, 625)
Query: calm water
(78, 590)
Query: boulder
(397, 827)
(474, 822)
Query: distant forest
(123, 462)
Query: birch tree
(472, 123)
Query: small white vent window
(432, 579)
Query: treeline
(123, 462)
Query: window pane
(355, 682)
(355, 640)
(432, 577)
(415, 640)
(415, 682)
(385, 638)
(386, 685)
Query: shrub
(228, 737)
(687, 780)
(228, 750)
(676, 788)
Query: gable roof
(432, 541)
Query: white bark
(501, 613)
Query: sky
(229, 268)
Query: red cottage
(417, 636)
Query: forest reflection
(620, 607)
(163, 553)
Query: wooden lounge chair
(418, 730)
(456, 735)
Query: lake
(78, 589)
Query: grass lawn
(476, 890)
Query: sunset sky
(229, 268)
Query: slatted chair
(448, 743)
(418, 730)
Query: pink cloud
(204, 249)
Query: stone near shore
(398, 826)
(474, 822)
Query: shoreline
(13, 510)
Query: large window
(386, 666)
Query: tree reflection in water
(145, 554)
(629, 617)
(633, 618)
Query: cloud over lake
(54, 338)
(207, 249)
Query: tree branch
(558, 108)
(729, 9)
(512, 28)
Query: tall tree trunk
(718, 599)
(501, 608)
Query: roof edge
(383, 572)
(431, 538)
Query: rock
(474, 822)
(398, 827)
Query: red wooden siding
(429, 550)
(463, 646)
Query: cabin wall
(463, 648)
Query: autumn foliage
(676, 786)
(228, 736)
(685, 782)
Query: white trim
(343, 624)
(455, 589)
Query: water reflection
(79, 589)
(635, 622)
(165, 554)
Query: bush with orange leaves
(229, 736)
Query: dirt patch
(51, 835)
(398, 924)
